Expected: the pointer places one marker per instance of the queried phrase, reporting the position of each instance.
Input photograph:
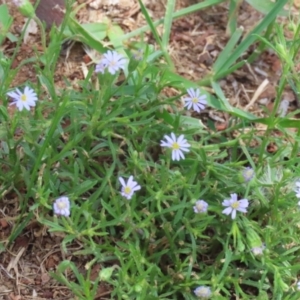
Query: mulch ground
(195, 43)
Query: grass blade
(168, 23)
(251, 38)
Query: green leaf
(186, 122)
(265, 7)
(289, 123)
(178, 14)
(114, 34)
(227, 51)
(168, 23)
(5, 22)
(24, 221)
(233, 14)
(84, 186)
(2, 247)
(251, 37)
(84, 35)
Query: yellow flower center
(113, 63)
(249, 173)
(199, 206)
(195, 100)
(202, 292)
(235, 205)
(175, 146)
(61, 205)
(127, 190)
(23, 97)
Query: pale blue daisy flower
(298, 286)
(178, 145)
(23, 100)
(203, 292)
(297, 189)
(112, 61)
(200, 207)
(248, 174)
(257, 251)
(61, 206)
(234, 205)
(195, 100)
(129, 187)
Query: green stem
(43, 33)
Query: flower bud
(106, 273)
(25, 8)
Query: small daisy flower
(257, 251)
(129, 188)
(178, 145)
(297, 189)
(61, 206)
(298, 286)
(248, 174)
(234, 205)
(23, 100)
(203, 292)
(111, 60)
(200, 207)
(195, 100)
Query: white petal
(13, 95)
(165, 144)
(185, 146)
(202, 99)
(122, 181)
(226, 203)
(173, 136)
(19, 92)
(184, 149)
(20, 105)
(180, 139)
(188, 105)
(170, 140)
(197, 93)
(191, 92)
(196, 107)
(243, 203)
(129, 196)
(233, 215)
(188, 99)
(180, 154)
(174, 155)
(136, 188)
(111, 70)
(227, 211)
(200, 106)
(233, 197)
(27, 90)
(130, 181)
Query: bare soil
(196, 42)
